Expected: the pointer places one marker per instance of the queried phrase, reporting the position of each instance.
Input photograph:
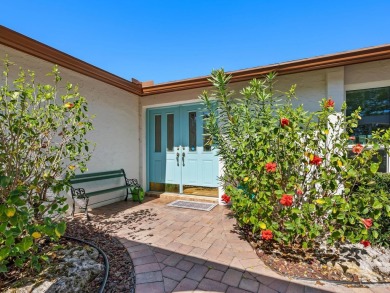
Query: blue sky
(171, 40)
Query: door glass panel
(192, 131)
(206, 136)
(170, 131)
(200, 190)
(164, 187)
(157, 133)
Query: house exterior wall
(367, 72)
(116, 126)
(120, 124)
(311, 87)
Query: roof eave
(303, 65)
(32, 47)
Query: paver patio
(183, 250)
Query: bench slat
(86, 175)
(82, 180)
(93, 193)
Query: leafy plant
(288, 170)
(43, 141)
(382, 185)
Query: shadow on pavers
(160, 269)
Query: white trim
(367, 85)
(177, 103)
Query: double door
(180, 160)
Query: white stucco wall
(116, 126)
(311, 88)
(367, 75)
(367, 72)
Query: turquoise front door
(179, 158)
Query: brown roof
(27, 45)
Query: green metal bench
(80, 193)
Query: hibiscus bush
(382, 184)
(43, 131)
(288, 171)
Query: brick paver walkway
(182, 250)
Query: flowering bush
(266, 234)
(270, 167)
(286, 200)
(357, 149)
(43, 141)
(288, 171)
(225, 198)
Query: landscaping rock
(368, 263)
(76, 268)
(100, 232)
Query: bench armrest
(132, 183)
(78, 193)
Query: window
(206, 136)
(375, 113)
(157, 133)
(192, 130)
(170, 131)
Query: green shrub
(382, 185)
(287, 170)
(43, 141)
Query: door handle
(182, 158)
(177, 158)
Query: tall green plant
(43, 141)
(288, 170)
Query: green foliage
(43, 131)
(288, 170)
(381, 186)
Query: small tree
(43, 141)
(288, 171)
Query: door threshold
(175, 196)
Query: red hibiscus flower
(365, 243)
(329, 103)
(299, 191)
(266, 234)
(357, 149)
(284, 122)
(367, 223)
(316, 161)
(226, 198)
(270, 167)
(286, 200)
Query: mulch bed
(295, 262)
(18, 277)
(121, 277)
(305, 267)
